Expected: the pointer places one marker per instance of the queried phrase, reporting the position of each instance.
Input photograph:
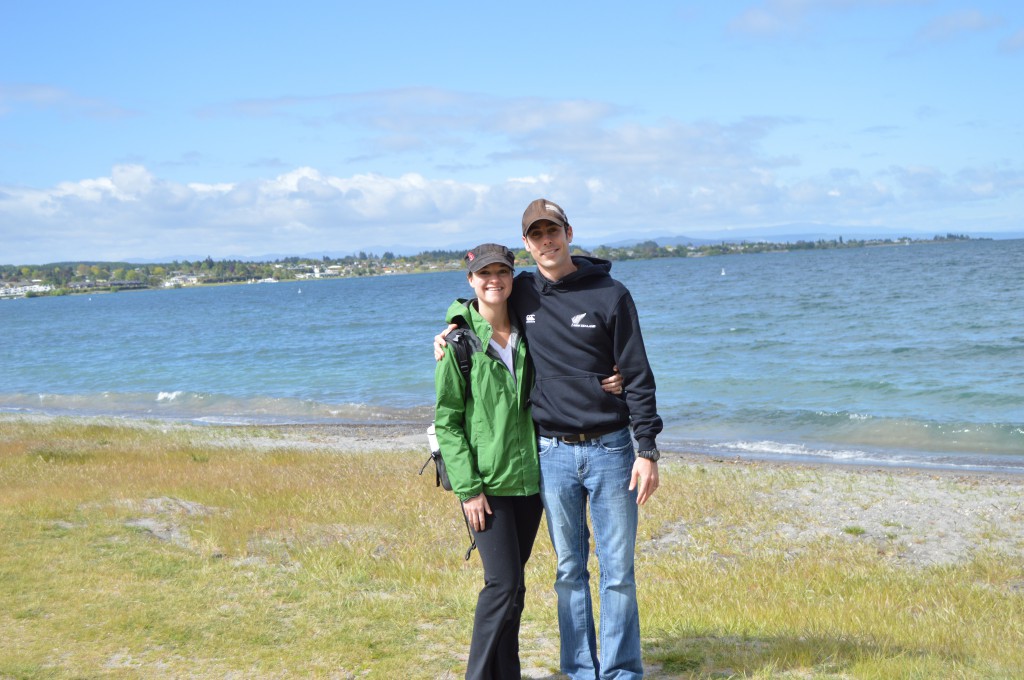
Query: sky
(154, 131)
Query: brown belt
(576, 438)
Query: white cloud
(448, 129)
(409, 110)
(1013, 44)
(48, 97)
(135, 214)
(776, 17)
(950, 26)
(131, 213)
(613, 171)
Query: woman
(490, 450)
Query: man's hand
(477, 508)
(439, 341)
(613, 383)
(644, 479)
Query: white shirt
(506, 356)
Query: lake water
(901, 355)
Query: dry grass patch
(153, 550)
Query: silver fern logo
(578, 318)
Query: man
(579, 324)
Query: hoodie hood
(586, 268)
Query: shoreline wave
(801, 437)
(209, 408)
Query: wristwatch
(650, 454)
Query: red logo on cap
(470, 256)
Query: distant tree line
(70, 277)
(650, 249)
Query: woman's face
(492, 283)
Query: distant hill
(785, 233)
(782, 233)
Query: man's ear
(568, 233)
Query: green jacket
(488, 442)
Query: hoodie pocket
(577, 403)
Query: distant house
(181, 280)
(24, 289)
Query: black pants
(505, 545)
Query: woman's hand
(477, 508)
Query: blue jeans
(571, 475)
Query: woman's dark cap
(489, 253)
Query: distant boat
(723, 271)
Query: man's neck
(557, 273)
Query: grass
(142, 551)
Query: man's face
(548, 243)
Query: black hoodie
(577, 329)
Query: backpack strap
(463, 342)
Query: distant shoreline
(89, 277)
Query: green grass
(130, 551)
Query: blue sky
(187, 129)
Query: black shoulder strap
(460, 343)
